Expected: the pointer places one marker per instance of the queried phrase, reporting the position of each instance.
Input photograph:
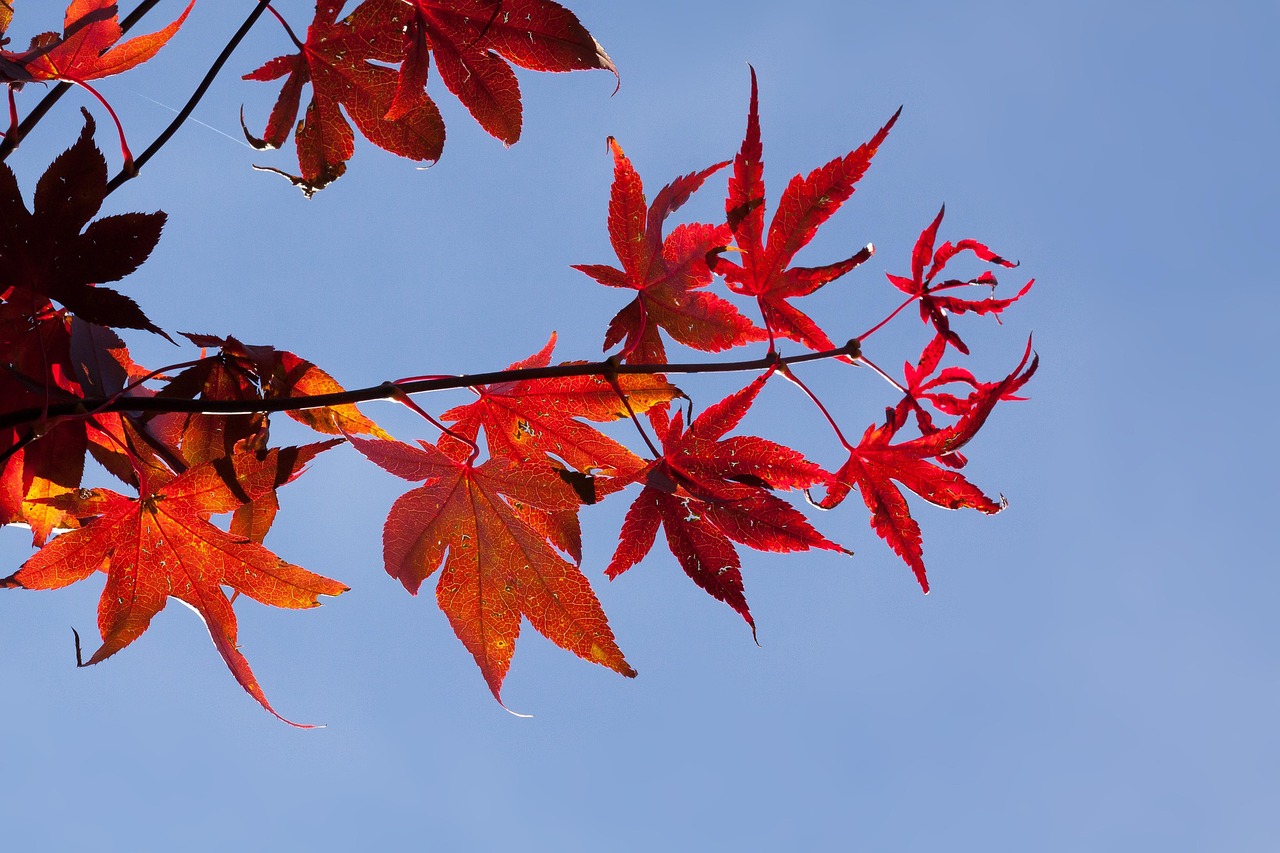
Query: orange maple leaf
(85, 50)
(484, 524)
(162, 545)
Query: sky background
(1096, 668)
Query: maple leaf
(706, 491)
(874, 463)
(935, 308)
(87, 49)
(470, 39)
(162, 545)
(922, 387)
(247, 371)
(484, 525)
(666, 274)
(49, 250)
(806, 204)
(531, 419)
(341, 60)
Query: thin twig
(184, 113)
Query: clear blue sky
(1097, 667)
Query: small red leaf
(936, 308)
(875, 463)
(667, 275)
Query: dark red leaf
(51, 252)
(707, 492)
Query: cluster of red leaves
(350, 65)
(705, 493)
(497, 517)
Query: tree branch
(391, 390)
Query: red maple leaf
(470, 39)
(875, 463)
(162, 545)
(706, 491)
(667, 274)
(927, 385)
(924, 387)
(486, 525)
(346, 64)
(935, 308)
(806, 203)
(87, 48)
(532, 419)
(50, 252)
